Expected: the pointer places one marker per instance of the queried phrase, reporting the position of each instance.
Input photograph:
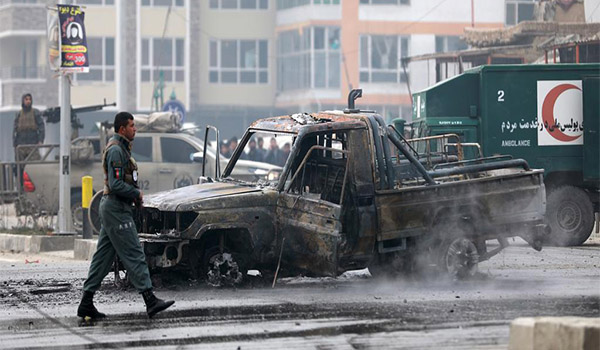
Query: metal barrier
(439, 149)
(9, 182)
(10, 176)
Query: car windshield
(263, 157)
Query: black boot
(155, 305)
(86, 307)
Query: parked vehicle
(352, 194)
(546, 114)
(166, 160)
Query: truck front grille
(155, 221)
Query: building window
(96, 2)
(162, 3)
(238, 61)
(286, 4)
(519, 11)
(385, 2)
(449, 43)
(163, 55)
(239, 4)
(101, 56)
(309, 60)
(380, 58)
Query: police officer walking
(118, 233)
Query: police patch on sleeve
(118, 173)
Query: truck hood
(190, 197)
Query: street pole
(473, 13)
(64, 183)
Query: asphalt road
(38, 301)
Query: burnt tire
(570, 215)
(220, 268)
(458, 258)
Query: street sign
(175, 106)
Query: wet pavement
(38, 301)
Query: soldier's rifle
(53, 114)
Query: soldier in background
(253, 151)
(29, 129)
(274, 155)
(260, 150)
(233, 142)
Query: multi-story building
(326, 48)
(232, 61)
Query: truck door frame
(310, 229)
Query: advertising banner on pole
(53, 35)
(73, 44)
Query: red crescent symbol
(548, 111)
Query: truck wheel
(77, 212)
(459, 258)
(570, 215)
(220, 268)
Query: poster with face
(73, 44)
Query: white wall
(592, 11)
(309, 13)
(421, 76)
(486, 11)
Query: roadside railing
(11, 177)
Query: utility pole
(64, 184)
(473, 13)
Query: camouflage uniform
(118, 233)
(28, 129)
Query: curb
(84, 249)
(35, 244)
(537, 333)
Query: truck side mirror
(197, 157)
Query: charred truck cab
(352, 194)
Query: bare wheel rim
(223, 270)
(461, 258)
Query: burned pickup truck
(352, 194)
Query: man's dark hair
(233, 139)
(122, 119)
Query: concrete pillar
(193, 54)
(126, 51)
